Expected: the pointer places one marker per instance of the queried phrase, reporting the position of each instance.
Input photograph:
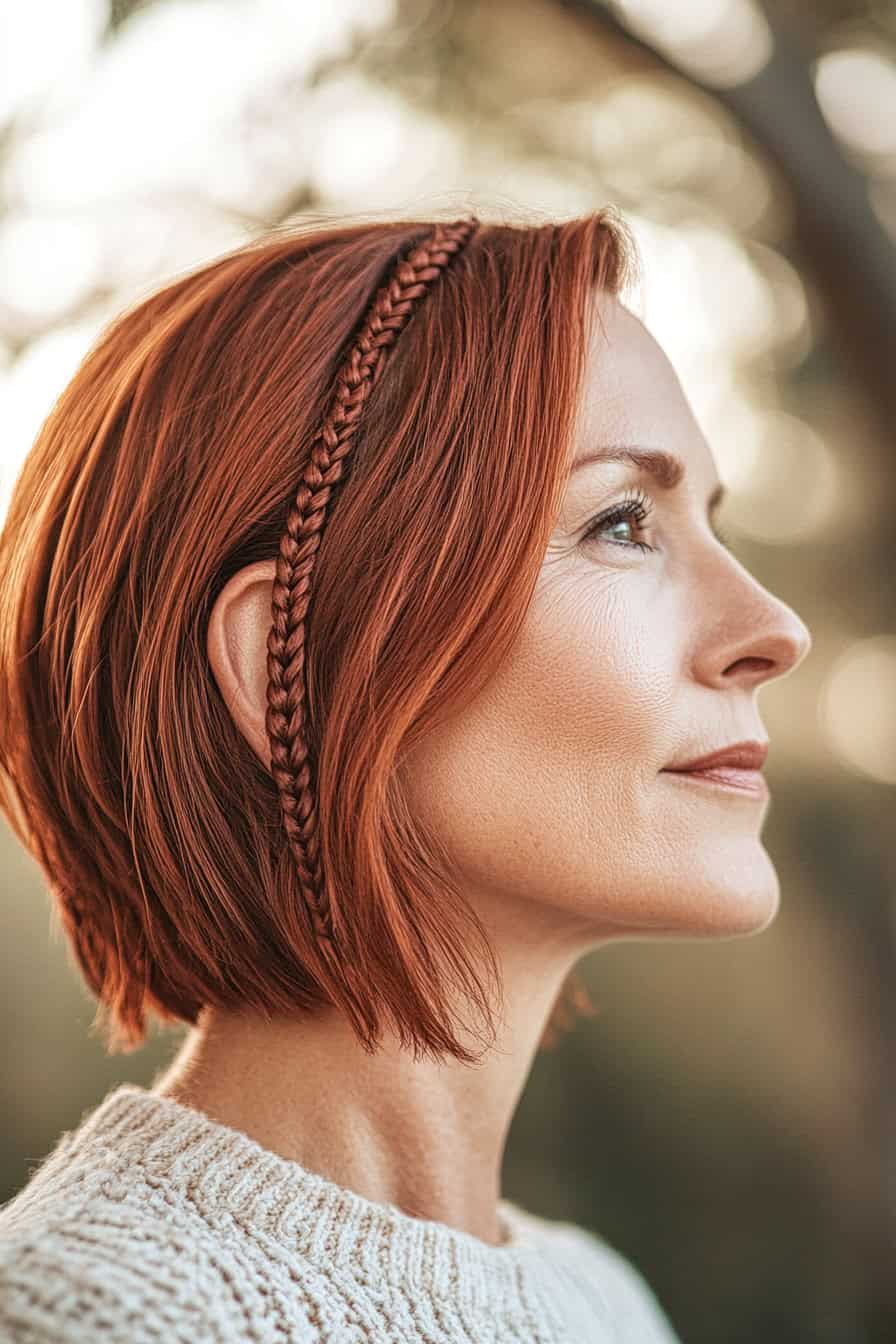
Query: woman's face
(551, 790)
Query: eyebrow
(666, 469)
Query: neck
(425, 1136)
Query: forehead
(632, 394)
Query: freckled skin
(548, 788)
(547, 792)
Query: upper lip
(744, 755)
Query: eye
(633, 511)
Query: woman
(364, 626)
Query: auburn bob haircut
(171, 460)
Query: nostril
(751, 665)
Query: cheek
(600, 666)
(561, 748)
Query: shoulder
(96, 1272)
(83, 1259)
(637, 1306)
(601, 1269)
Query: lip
(742, 756)
(750, 782)
(736, 767)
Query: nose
(751, 636)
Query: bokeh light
(856, 90)
(725, 42)
(792, 492)
(858, 708)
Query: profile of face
(551, 791)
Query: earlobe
(237, 650)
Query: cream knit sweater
(152, 1222)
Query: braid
(387, 315)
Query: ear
(238, 650)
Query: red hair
(166, 465)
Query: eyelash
(636, 508)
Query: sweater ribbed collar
(224, 1173)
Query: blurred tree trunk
(839, 237)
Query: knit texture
(152, 1222)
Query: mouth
(735, 779)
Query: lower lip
(750, 782)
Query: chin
(744, 915)
(743, 899)
(725, 892)
(724, 910)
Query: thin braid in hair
(389, 312)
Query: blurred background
(728, 1120)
